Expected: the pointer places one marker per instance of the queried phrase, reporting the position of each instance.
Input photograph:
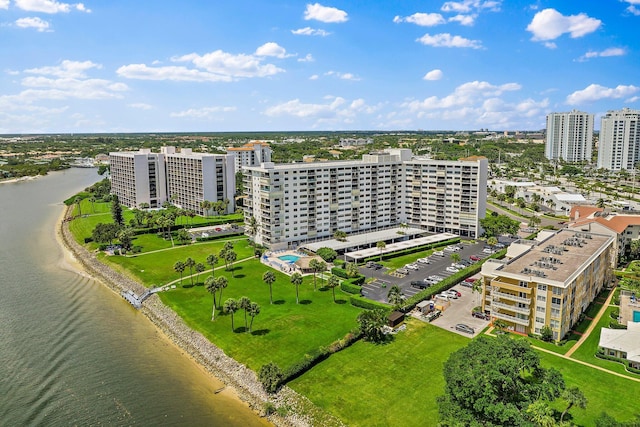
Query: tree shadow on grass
(240, 276)
(341, 301)
(261, 332)
(305, 301)
(188, 285)
(323, 288)
(278, 302)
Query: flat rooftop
(399, 246)
(354, 240)
(557, 258)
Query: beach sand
(240, 383)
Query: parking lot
(458, 311)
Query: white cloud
(308, 31)
(203, 113)
(612, 51)
(272, 49)
(466, 6)
(307, 58)
(141, 106)
(447, 40)
(466, 20)
(433, 75)
(632, 99)
(66, 69)
(422, 19)
(595, 92)
(633, 10)
(549, 24)
(336, 110)
(325, 14)
(342, 76)
(49, 6)
(33, 22)
(464, 95)
(217, 66)
(314, 77)
(4, 4)
(550, 45)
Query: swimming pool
(289, 258)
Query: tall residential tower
(619, 144)
(569, 136)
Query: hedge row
(350, 288)
(217, 237)
(414, 250)
(625, 362)
(367, 304)
(316, 356)
(448, 282)
(336, 271)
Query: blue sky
(256, 65)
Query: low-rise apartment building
(549, 283)
(302, 202)
(251, 154)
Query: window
(542, 287)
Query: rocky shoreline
(298, 410)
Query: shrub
(350, 288)
(339, 272)
(546, 334)
(367, 304)
(270, 376)
(327, 254)
(358, 280)
(269, 408)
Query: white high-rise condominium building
(184, 178)
(195, 177)
(569, 136)
(301, 202)
(619, 143)
(138, 178)
(251, 154)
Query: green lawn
(605, 392)
(157, 268)
(382, 385)
(283, 332)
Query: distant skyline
(249, 65)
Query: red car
(469, 280)
(218, 229)
(474, 258)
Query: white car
(424, 261)
(487, 251)
(452, 269)
(412, 267)
(444, 297)
(439, 253)
(451, 294)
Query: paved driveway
(459, 311)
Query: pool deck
(271, 259)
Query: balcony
(510, 286)
(511, 319)
(511, 297)
(514, 308)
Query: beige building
(548, 282)
(251, 154)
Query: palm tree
(314, 265)
(222, 282)
(179, 267)
(252, 226)
(492, 241)
(78, 201)
(296, 279)
(333, 282)
(212, 287)
(394, 296)
(381, 246)
(573, 396)
(212, 261)
(351, 269)
(244, 303)
(269, 277)
(476, 288)
(92, 199)
(231, 306)
(322, 267)
(230, 257)
(199, 269)
(455, 257)
(190, 263)
(254, 310)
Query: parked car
(412, 267)
(402, 271)
(464, 262)
(452, 295)
(470, 279)
(487, 251)
(480, 315)
(443, 297)
(428, 281)
(424, 261)
(499, 245)
(465, 328)
(466, 284)
(453, 291)
(436, 278)
(439, 253)
(452, 269)
(433, 315)
(420, 284)
(474, 258)
(459, 265)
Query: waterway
(72, 352)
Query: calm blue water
(72, 352)
(289, 258)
